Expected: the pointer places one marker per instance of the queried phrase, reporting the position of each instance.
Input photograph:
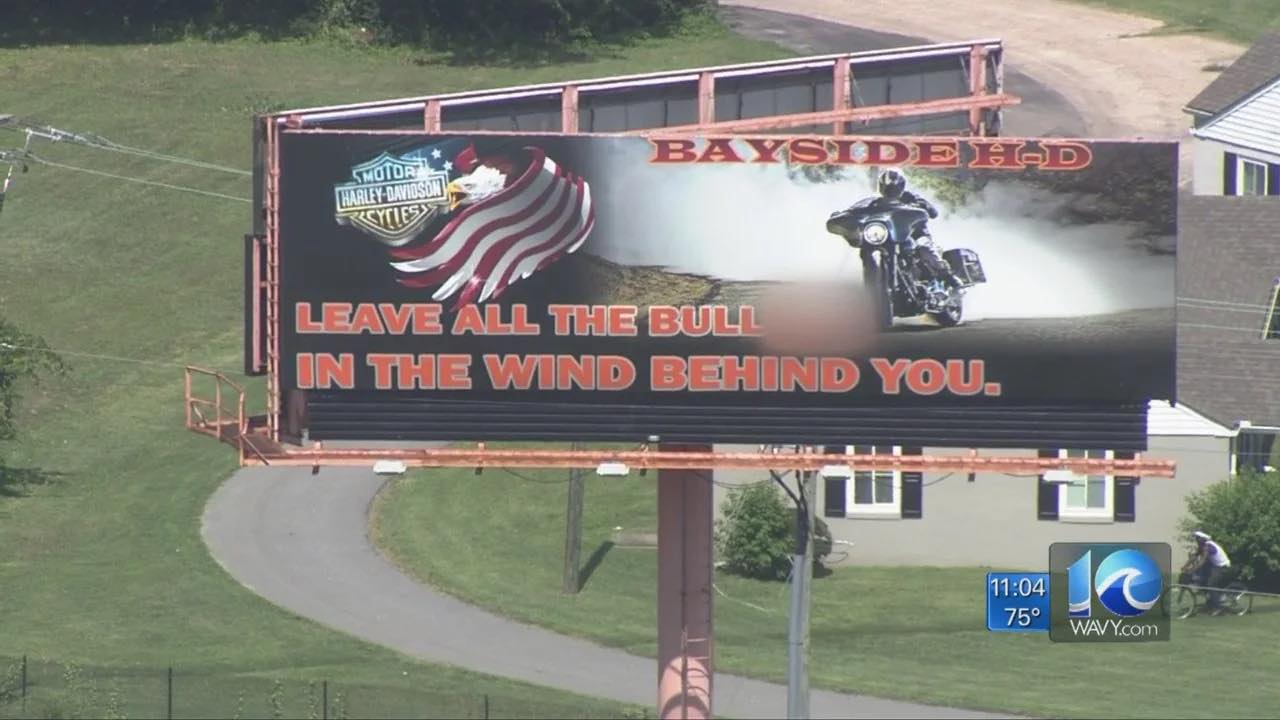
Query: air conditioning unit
(1060, 477)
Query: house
(996, 520)
(1236, 125)
(1229, 316)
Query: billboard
(752, 275)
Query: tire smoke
(754, 222)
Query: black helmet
(891, 183)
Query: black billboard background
(1058, 370)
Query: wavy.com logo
(1128, 583)
(1112, 592)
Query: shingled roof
(1258, 66)
(1228, 265)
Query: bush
(756, 535)
(1243, 515)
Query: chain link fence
(42, 689)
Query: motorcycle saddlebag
(966, 265)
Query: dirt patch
(1127, 78)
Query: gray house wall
(992, 521)
(1210, 156)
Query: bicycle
(1186, 598)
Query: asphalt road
(1044, 112)
(302, 542)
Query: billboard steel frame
(685, 554)
(260, 442)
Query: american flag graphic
(518, 226)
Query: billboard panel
(740, 276)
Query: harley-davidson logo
(392, 197)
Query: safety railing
(221, 416)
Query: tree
(475, 26)
(756, 535)
(1243, 515)
(22, 356)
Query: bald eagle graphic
(508, 216)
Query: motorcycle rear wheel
(951, 316)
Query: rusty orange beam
(431, 116)
(841, 83)
(706, 98)
(480, 456)
(868, 112)
(977, 86)
(569, 109)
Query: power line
(173, 159)
(1207, 301)
(53, 134)
(526, 478)
(100, 356)
(141, 181)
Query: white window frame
(1106, 513)
(873, 509)
(1243, 162)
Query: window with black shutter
(1126, 489)
(1273, 179)
(912, 488)
(1046, 493)
(833, 489)
(1229, 162)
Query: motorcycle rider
(892, 185)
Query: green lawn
(1240, 21)
(101, 562)
(917, 634)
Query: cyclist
(1209, 566)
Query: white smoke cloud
(749, 222)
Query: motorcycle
(884, 231)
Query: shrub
(1243, 515)
(756, 535)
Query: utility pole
(801, 575)
(573, 529)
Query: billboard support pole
(801, 580)
(685, 521)
(573, 530)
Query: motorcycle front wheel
(882, 293)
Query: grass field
(917, 634)
(1240, 21)
(101, 562)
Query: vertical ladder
(273, 279)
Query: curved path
(1125, 75)
(302, 542)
